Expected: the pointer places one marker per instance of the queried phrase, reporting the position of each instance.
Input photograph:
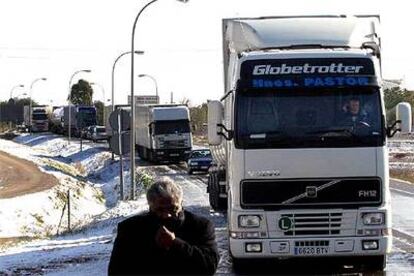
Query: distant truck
(56, 120)
(40, 116)
(81, 116)
(163, 132)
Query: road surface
(20, 177)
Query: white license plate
(204, 167)
(317, 250)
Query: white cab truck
(40, 117)
(163, 132)
(299, 140)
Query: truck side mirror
(150, 128)
(215, 117)
(404, 115)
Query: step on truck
(163, 132)
(299, 140)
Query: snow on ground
(87, 249)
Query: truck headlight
(373, 218)
(193, 163)
(249, 221)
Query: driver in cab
(353, 115)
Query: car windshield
(200, 154)
(335, 117)
(100, 129)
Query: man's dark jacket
(194, 250)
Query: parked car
(199, 160)
(96, 133)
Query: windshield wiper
(346, 131)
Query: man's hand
(164, 238)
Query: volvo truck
(299, 140)
(163, 132)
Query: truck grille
(311, 193)
(175, 144)
(314, 224)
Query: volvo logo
(285, 223)
(270, 173)
(311, 191)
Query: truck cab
(299, 139)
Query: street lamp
(69, 99)
(14, 87)
(113, 73)
(103, 92)
(153, 79)
(132, 142)
(30, 102)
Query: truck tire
(216, 202)
(373, 263)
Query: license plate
(311, 250)
(174, 154)
(204, 167)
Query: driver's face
(354, 107)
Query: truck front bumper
(172, 154)
(310, 247)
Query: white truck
(40, 116)
(299, 140)
(163, 132)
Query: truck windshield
(40, 116)
(171, 127)
(86, 117)
(309, 118)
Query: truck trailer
(163, 132)
(299, 140)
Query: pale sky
(182, 43)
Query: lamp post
(153, 79)
(14, 87)
(69, 101)
(104, 99)
(30, 103)
(113, 74)
(132, 142)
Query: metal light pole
(69, 101)
(14, 87)
(113, 74)
(132, 142)
(104, 99)
(30, 103)
(153, 79)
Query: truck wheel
(373, 263)
(240, 266)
